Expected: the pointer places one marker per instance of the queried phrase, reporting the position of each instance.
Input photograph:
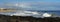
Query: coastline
(4, 18)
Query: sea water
(40, 13)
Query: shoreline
(4, 18)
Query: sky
(34, 4)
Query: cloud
(42, 5)
(36, 5)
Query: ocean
(29, 13)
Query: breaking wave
(27, 13)
(30, 13)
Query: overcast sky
(34, 4)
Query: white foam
(25, 13)
(46, 15)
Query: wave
(30, 13)
(27, 13)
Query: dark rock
(4, 18)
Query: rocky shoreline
(4, 18)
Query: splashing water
(27, 13)
(46, 15)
